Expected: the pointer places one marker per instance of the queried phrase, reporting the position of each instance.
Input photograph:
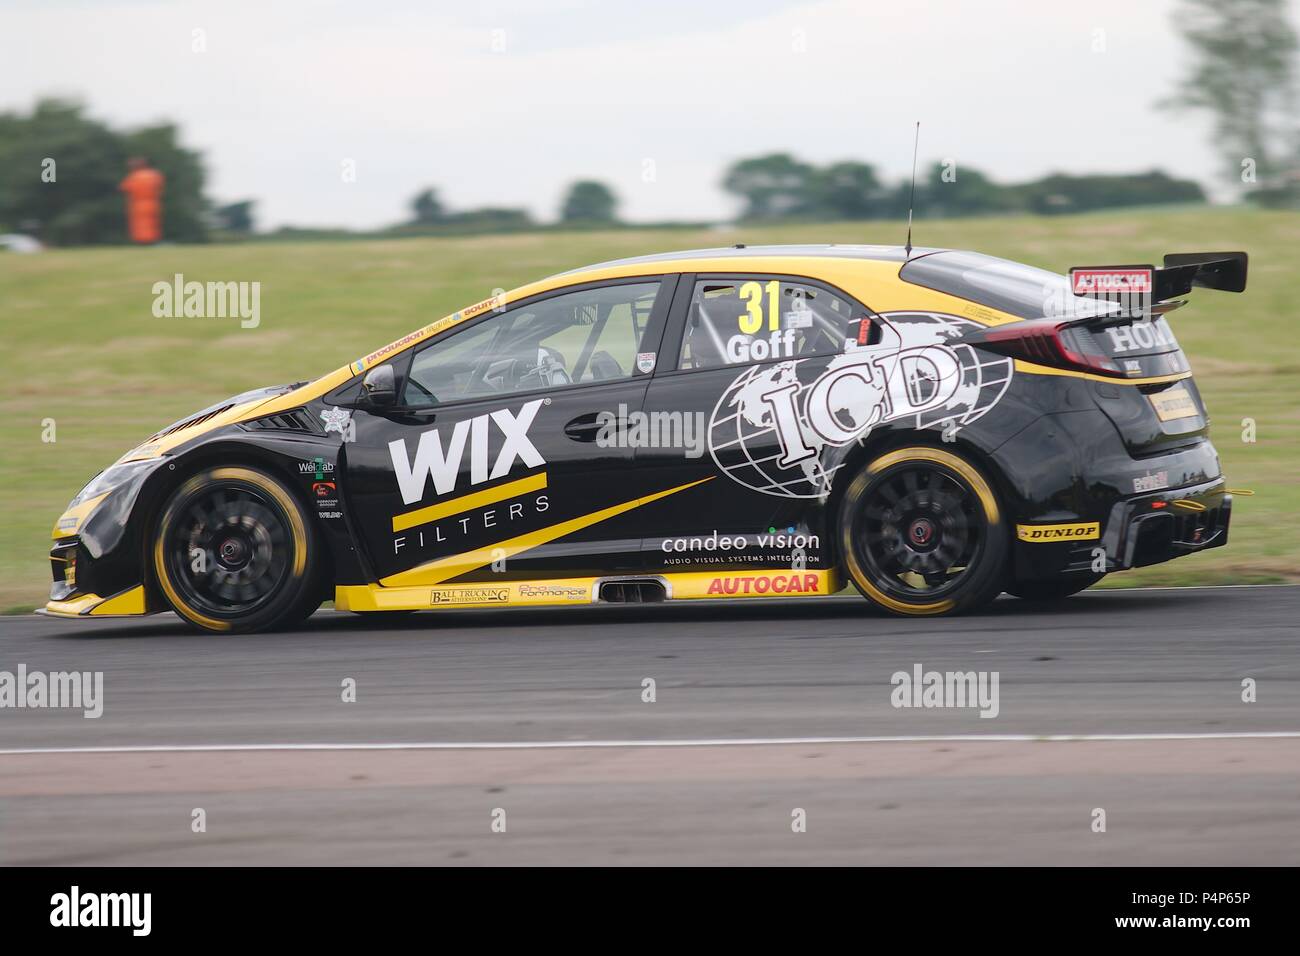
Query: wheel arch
(226, 452)
(858, 455)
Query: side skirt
(565, 592)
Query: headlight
(112, 477)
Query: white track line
(705, 742)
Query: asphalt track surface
(761, 709)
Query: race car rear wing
(1142, 286)
(1183, 271)
(1129, 295)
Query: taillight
(1048, 342)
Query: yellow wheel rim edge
(917, 453)
(295, 525)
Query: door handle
(584, 427)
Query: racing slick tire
(1054, 589)
(921, 533)
(235, 552)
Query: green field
(83, 348)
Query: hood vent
(190, 422)
(291, 421)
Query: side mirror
(380, 386)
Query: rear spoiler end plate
(1225, 271)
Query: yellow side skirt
(691, 585)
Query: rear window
(1000, 284)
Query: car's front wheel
(921, 533)
(234, 551)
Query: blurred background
(375, 166)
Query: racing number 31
(752, 321)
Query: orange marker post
(143, 187)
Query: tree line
(779, 186)
(71, 165)
(60, 170)
(586, 202)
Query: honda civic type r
(933, 427)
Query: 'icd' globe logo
(771, 426)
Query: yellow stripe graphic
(476, 499)
(444, 569)
(1035, 369)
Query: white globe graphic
(743, 439)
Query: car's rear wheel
(1054, 589)
(921, 533)
(234, 551)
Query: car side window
(744, 320)
(591, 335)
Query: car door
(739, 356)
(491, 467)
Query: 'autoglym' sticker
(1111, 280)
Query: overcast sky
(503, 103)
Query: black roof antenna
(912, 199)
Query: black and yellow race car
(932, 426)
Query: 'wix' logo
(443, 463)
